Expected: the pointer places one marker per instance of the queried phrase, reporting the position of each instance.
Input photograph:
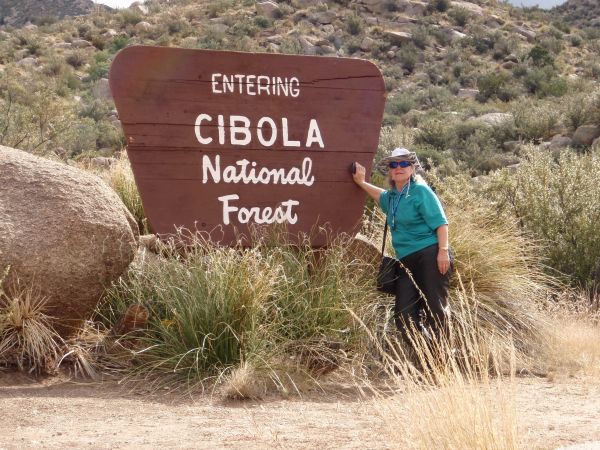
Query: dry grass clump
(452, 393)
(500, 264)
(120, 178)
(573, 344)
(271, 306)
(27, 338)
(244, 382)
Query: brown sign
(219, 141)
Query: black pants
(428, 309)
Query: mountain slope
(19, 12)
(583, 13)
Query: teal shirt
(418, 216)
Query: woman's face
(400, 175)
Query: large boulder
(63, 231)
(585, 134)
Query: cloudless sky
(115, 3)
(540, 3)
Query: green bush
(76, 59)
(540, 56)
(437, 132)
(399, 104)
(80, 137)
(354, 24)
(494, 85)
(213, 307)
(118, 43)
(263, 22)
(408, 55)
(558, 200)
(460, 16)
(439, 5)
(128, 16)
(535, 120)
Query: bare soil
(59, 413)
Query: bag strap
(385, 229)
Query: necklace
(396, 203)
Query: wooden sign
(221, 141)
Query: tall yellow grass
(456, 392)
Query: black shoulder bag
(388, 270)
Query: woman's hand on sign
(359, 174)
(443, 261)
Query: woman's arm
(359, 178)
(443, 258)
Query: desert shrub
(354, 24)
(290, 45)
(27, 338)
(421, 36)
(503, 47)
(460, 16)
(218, 7)
(99, 67)
(554, 87)
(76, 59)
(553, 44)
(120, 178)
(262, 22)
(494, 85)
(213, 39)
(558, 200)
(480, 40)
(540, 56)
(31, 113)
(108, 136)
(535, 120)
(408, 55)
(262, 305)
(399, 104)
(129, 16)
(434, 97)
(437, 132)
(118, 43)
(79, 137)
(95, 109)
(439, 5)
(575, 40)
(245, 27)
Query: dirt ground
(58, 413)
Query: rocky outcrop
(63, 231)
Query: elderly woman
(419, 230)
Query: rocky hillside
(467, 81)
(582, 13)
(18, 12)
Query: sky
(115, 3)
(540, 3)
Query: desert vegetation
(502, 106)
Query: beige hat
(399, 154)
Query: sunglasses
(403, 164)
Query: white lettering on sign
(246, 172)
(255, 85)
(281, 214)
(240, 132)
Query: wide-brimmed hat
(399, 154)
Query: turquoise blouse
(413, 216)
